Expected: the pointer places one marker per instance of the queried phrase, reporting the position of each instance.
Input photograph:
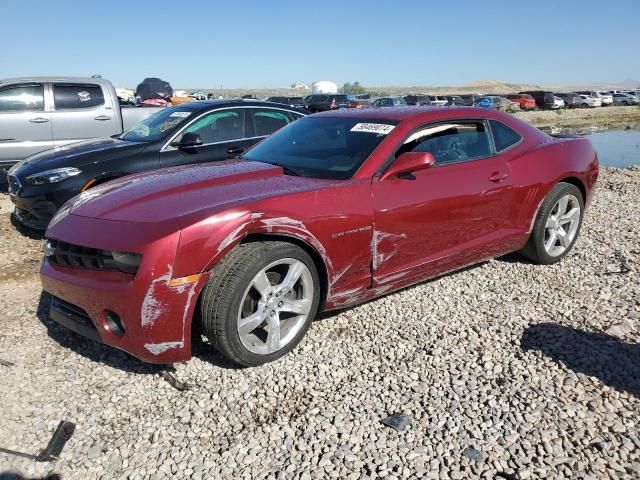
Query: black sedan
(193, 132)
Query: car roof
(210, 104)
(411, 113)
(53, 78)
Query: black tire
(584, 105)
(222, 295)
(625, 103)
(534, 249)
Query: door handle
(103, 117)
(497, 176)
(235, 150)
(39, 120)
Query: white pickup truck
(39, 113)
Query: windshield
(157, 125)
(322, 147)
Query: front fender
(205, 243)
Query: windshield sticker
(84, 96)
(381, 128)
(169, 124)
(180, 114)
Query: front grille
(72, 312)
(69, 255)
(14, 184)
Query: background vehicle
(438, 100)
(323, 102)
(605, 98)
(389, 102)
(557, 102)
(39, 113)
(587, 101)
(470, 99)
(571, 100)
(356, 101)
(523, 100)
(295, 102)
(455, 101)
(625, 99)
(335, 209)
(543, 99)
(417, 100)
(194, 132)
(494, 102)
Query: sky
(254, 44)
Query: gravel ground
(506, 370)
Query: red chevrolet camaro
(332, 210)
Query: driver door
(446, 216)
(223, 134)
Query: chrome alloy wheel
(275, 306)
(562, 225)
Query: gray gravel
(506, 368)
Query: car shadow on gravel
(86, 347)
(614, 362)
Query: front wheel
(260, 301)
(556, 226)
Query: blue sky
(275, 43)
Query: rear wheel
(625, 103)
(556, 226)
(260, 301)
(584, 105)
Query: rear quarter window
(67, 96)
(504, 137)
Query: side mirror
(408, 162)
(188, 140)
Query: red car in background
(332, 210)
(523, 100)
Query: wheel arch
(318, 261)
(575, 181)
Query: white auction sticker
(381, 128)
(180, 114)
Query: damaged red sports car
(332, 210)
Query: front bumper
(156, 316)
(34, 212)
(36, 206)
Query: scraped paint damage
(158, 348)
(380, 257)
(151, 306)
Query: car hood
(189, 193)
(82, 153)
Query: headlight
(127, 262)
(52, 176)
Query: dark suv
(418, 100)
(543, 99)
(321, 102)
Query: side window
(450, 142)
(267, 121)
(22, 98)
(503, 136)
(219, 126)
(66, 96)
